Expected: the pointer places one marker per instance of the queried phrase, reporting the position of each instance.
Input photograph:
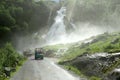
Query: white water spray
(57, 31)
(58, 34)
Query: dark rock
(95, 64)
(8, 70)
(103, 58)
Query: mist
(104, 14)
(81, 20)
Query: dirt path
(42, 70)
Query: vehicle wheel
(42, 58)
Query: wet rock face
(89, 66)
(97, 65)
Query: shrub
(9, 58)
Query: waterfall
(57, 32)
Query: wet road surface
(42, 70)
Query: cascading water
(57, 32)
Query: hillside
(78, 54)
(107, 42)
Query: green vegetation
(20, 18)
(104, 43)
(57, 47)
(107, 42)
(10, 59)
(95, 78)
(23, 17)
(75, 70)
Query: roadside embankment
(9, 61)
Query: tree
(6, 19)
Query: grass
(56, 47)
(102, 43)
(78, 72)
(94, 78)
(75, 70)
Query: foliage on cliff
(23, 17)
